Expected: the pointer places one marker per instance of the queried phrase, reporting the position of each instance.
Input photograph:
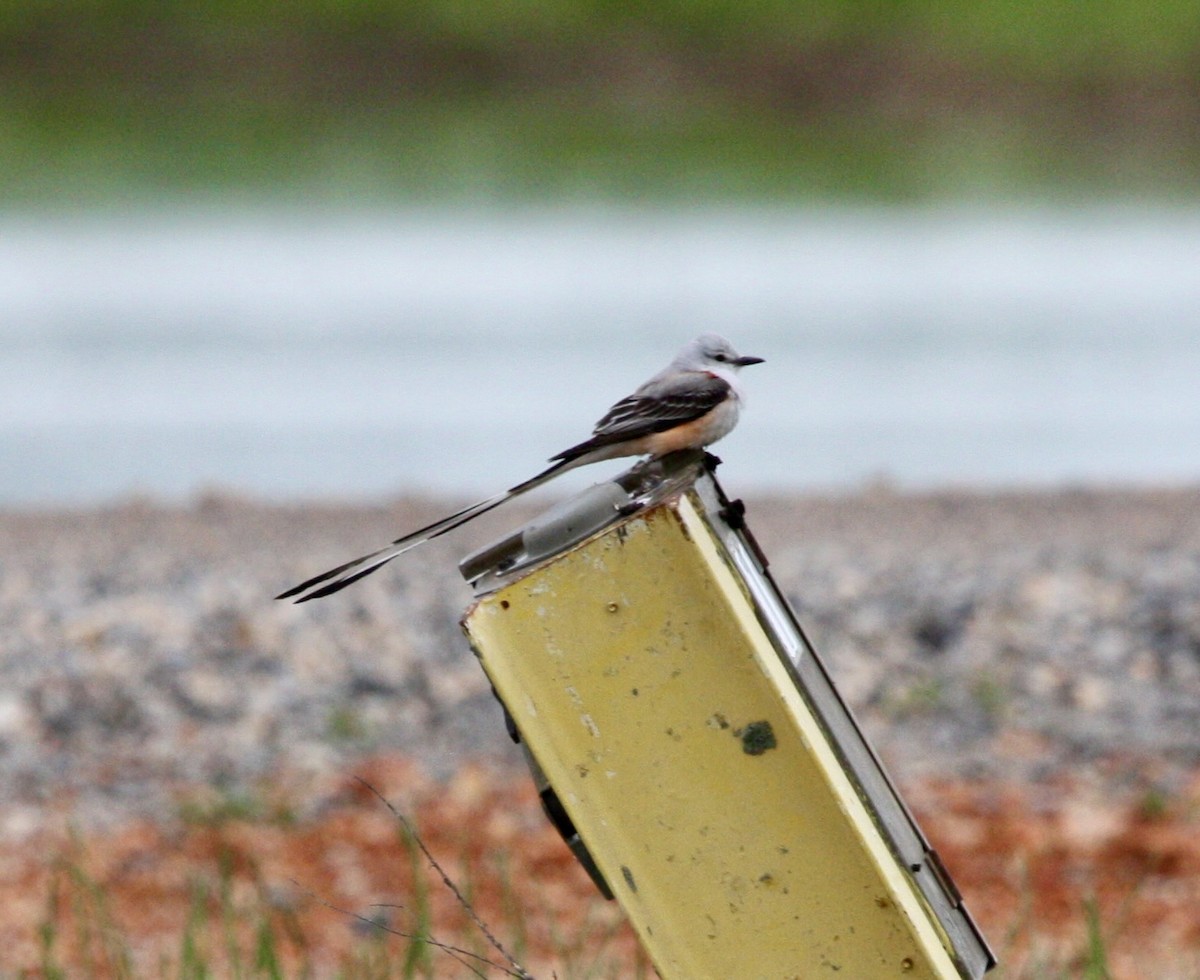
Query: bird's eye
(720, 357)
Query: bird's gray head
(711, 351)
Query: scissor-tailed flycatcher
(690, 404)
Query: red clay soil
(118, 903)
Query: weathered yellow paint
(703, 786)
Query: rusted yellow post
(663, 688)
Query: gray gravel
(1014, 635)
(975, 634)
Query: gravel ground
(1012, 635)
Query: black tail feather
(416, 538)
(342, 583)
(317, 579)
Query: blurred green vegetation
(677, 100)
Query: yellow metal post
(640, 674)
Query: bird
(690, 404)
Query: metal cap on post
(693, 750)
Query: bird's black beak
(747, 360)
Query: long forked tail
(338, 578)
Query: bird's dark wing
(655, 407)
